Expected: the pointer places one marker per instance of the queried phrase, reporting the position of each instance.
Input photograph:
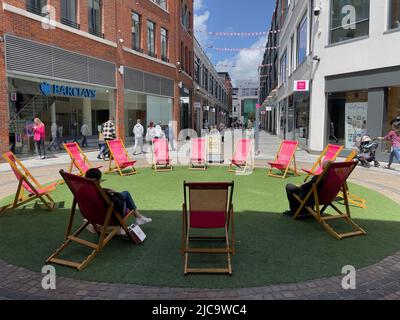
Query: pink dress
(39, 133)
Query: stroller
(367, 149)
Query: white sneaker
(121, 232)
(90, 228)
(143, 220)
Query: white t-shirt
(138, 130)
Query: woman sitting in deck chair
(123, 201)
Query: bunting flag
(241, 49)
(238, 34)
(225, 66)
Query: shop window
(394, 14)
(393, 111)
(349, 20)
(302, 115)
(347, 121)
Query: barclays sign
(48, 89)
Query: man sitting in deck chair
(29, 188)
(78, 158)
(123, 201)
(302, 192)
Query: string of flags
(238, 34)
(239, 49)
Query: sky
(233, 16)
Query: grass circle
(271, 248)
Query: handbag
(137, 233)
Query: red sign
(258, 106)
(301, 85)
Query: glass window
(394, 14)
(136, 32)
(95, 17)
(283, 69)
(161, 3)
(151, 29)
(302, 114)
(302, 41)
(347, 120)
(68, 13)
(164, 44)
(36, 6)
(349, 19)
(197, 66)
(393, 111)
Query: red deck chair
(119, 155)
(284, 158)
(161, 159)
(78, 158)
(208, 206)
(242, 158)
(96, 207)
(330, 153)
(198, 154)
(29, 188)
(324, 192)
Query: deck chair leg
(228, 254)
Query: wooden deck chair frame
(105, 232)
(288, 169)
(199, 165)
(21, 196)
(317, 212)
(157, 166)
(318, 163)
(117, 167)
(228, 238)
(249, 161)
(74, 163)
(353, 199)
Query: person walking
(109, 133)
(60, 132)
(138, 132)
(85, 133)
(394, 137)
(102, 143)
(171, 136)
(38, 137)
(75, 132)
(54, 137)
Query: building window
(95, 17)
(393, 111)
(136, 32)
(349, 19)
(68, 13)
(164, 45)
(151, 30)
(197, 66)
(394, 14)
(292, 63)
(283, 69)
(161, 3)
(302, 40)
(36, 6)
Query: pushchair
(367, 149)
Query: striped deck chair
(283, 159)
(78, 158)
(118, 154)
(29, 188)
(330, 153)
(208, 206)
(198, 154)
(161, 159)
(242, 158)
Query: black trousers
(301, 191)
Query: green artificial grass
(271, 248)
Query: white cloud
(198, 5)
(200, 24)
(246, 62)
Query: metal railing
(70, 23)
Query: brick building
(82, 61)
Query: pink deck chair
(99, 212)
(119, 156)
(284, 158)
(324, 192)
(161, 159)
(330, 153)
(242, 158)
(78, 158)
(29, 188)
(198, 156)
(208, 206)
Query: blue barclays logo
(67, 91)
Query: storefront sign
(185, 100)
(206, 108)
(268, 108)
(197, 105)
(48, 89)
(13, 96)
(301, 85)
(356, 122)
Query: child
(394, 137)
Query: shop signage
(13, 96)
(268, 108)
(48, 89)
(206, 108)
(263, 112)
(301, 85)
(185, 100)
(197, 105)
